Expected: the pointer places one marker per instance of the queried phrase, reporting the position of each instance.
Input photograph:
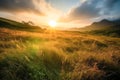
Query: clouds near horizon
(94, 9)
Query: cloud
(111, 7)
(18, 6)
(40, 7)
(85, 10)
(89, 10)
(111, 3)
(47, 8)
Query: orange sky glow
(66, 13)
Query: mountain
(104, 27)
(25, 26)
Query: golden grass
(58, 55)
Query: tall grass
(58, 56)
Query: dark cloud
(111, 3)
(91, 9)
(111, 7)
(18, 6)
(85, 10)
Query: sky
(67, 13)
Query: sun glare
(52, 23)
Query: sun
(52, 23)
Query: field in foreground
(58, 55)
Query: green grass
(58, 55)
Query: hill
(6, 23)
(103, 27)
(104, 24)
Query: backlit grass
(58, 55)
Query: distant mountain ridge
(102, 25)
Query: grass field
(58, 55)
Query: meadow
(58, 55)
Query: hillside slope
(104, 24)
(6, 23)
(104, 27)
